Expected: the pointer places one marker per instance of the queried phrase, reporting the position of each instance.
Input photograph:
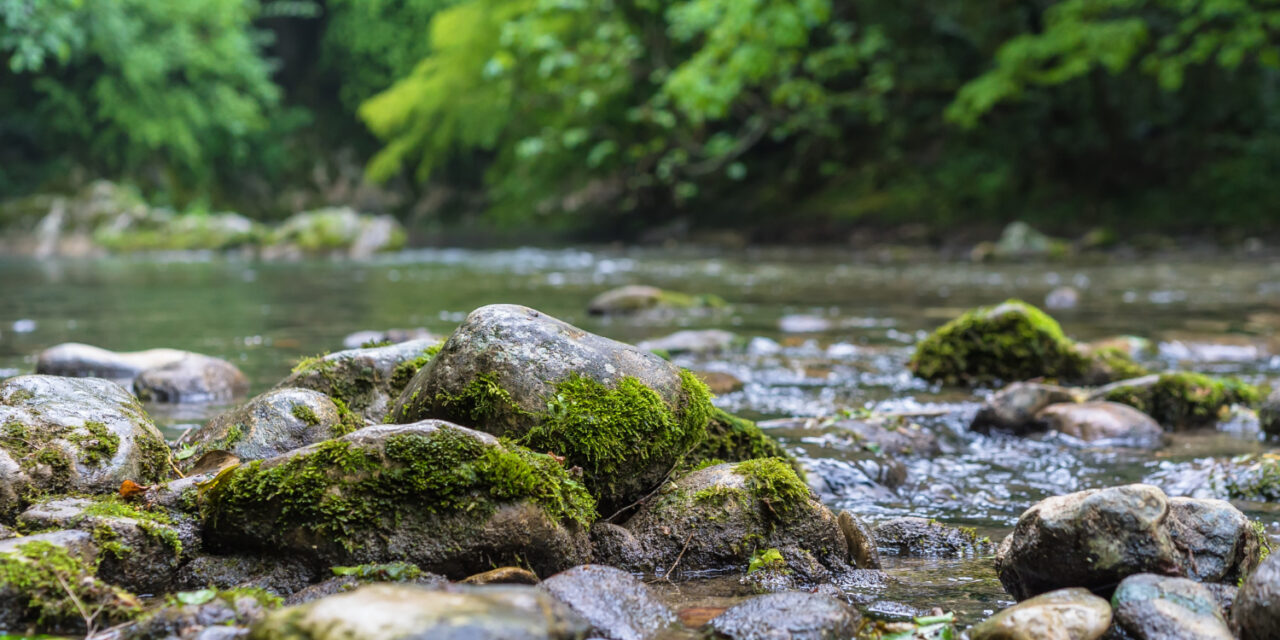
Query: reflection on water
(822, 331)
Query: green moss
(348, 421)
(1251, 477)
(312, 363)
(305, 414)
(1264, 543)
(1006, 343)
(100, 445)
(155, 456)
(775, 484)
(1184, 399)
(264, 598)
(337, 378)
(19, 396)
(766, 559)
(346, 493)
(113, 507)
(49, 581)
(385, 572)
(1117, 364)
(482, 401)
(405, 371)
(716, 496)
(59, 463)
(733, 439)
(16, 439)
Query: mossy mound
(621, 414)
(1010, 342)
(444, 497)
(269, 425)
(46, 579)
(364, 380)
(734, 439)
(73, 435)
(1183, 400)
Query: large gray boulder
(622, 414)
(1151, 607)
(269, 425)
(616, 604)
(1096, 538)
(1065, 614)
(405, 612)
(449, 499)
(1256, 613)
(366, 380)
(193, 378)
(73, 435)
(717, 517)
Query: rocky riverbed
(504, 462)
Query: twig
(641, 499)
(90, 628)
(174, 466)
(667, 575)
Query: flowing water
(822, 332)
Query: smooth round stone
(792, 615)
(1065, 614)
(1152, 607)
(1111, 421)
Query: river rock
(615, 603)
(336, 231)
(1180, 400)
(636, 298)
(1152, 607)
(1011, 342)
(39, 601)
(139, 549)
(1065, 614)
(1103, 421)
(225, 616)
(365, 379)
(73, 435)
(734, 439)
(194, 378)
(1066, 297)
(76, 360)
(1096, 538)
(1014, 407)
(717, 517)
(889, 435)
(446, 498)
(622, 414)
(269, 425)
(277, 573)
(788, 616)
(362, 339)
(689, 341)
(404, 612)
(922, 537)
(1256, 613)
(1269, 413)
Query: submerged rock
(1014, 408)
(616, 604)
(689, 341)
(365, 380)
(46, 577)
(443, 497)
(1152, 607)
(635, 298)
(194, 378)
(1010, 342)
(76, 360)
(1256, 613)
(1181, 400)
(717, 517)
(1114, 423)
(269, 425)
(789, 616)
(1096, 538)
(404, 612)
(921, 537)
(70, 435)
(1065, 614)
(622, 414)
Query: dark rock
(277, 573)
(194, 378)
(861, 543)
(617, 605)
(70, 435)
(366, 380)
(622, 414)
(269, 425)
(404, 612)
(1108, 422)
(351, 578)
(788, 616)
(1269, 413)
(1256, 613)
(1014, 407)
(922, 537)
(443, 497)
(1065, 614)
(1152, 607)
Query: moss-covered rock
(1010, 342)
(621, 414)
(923, 537)
(163, 230)
(366, 380)
(46, 578)
(1181, 400)
(734, 439)
(336, 230)
(269, 425)
(203, 614)
(449, 499)
(405, 612)
(73, 435)
(718, 517)
(139, 548)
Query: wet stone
(1065, 614)
(269, 425)
(366, 380)
(616, 604)
(922, 537)
(1151, 607)
(194, 378)
(1257, 606)
(1015, 407)
(788, 616)
(1103, 422)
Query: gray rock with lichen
(923, 537)
(1096, 538)
(622, 414)
(405, 612)
(1109, 422)
(278, 573)
(69, 435)
(1256, 612)
(614, 602)
(1153, 607)
(269, 425)
(366, 379)
(449, 499)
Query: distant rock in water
(706, 341)
(1181, 400)
(1062, 298)
(1114, 423)
(155, 375)
(1015, 408)
(338, 230)
(363, 339)
(76, 360)
(637, 298)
